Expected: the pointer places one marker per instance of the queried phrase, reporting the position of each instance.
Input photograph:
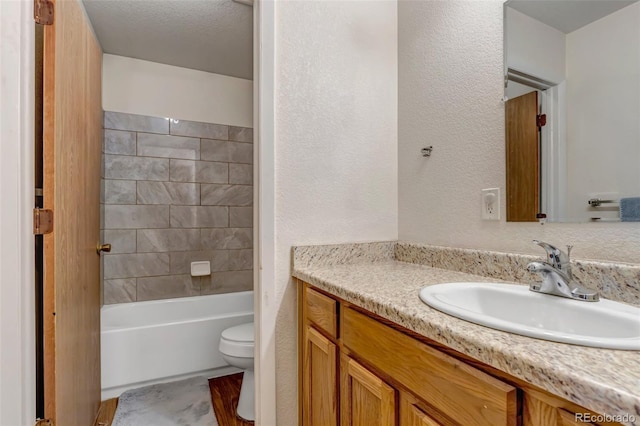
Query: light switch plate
(491, 204)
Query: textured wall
(336, 144)
(175, 192)
(142, 87)
(449, 94)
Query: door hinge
(44, 422)
(541, 120)
(42, 221)
(43, 12)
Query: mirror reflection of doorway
(523, 158)
(590, 146)
(38, 203)
(530, 164)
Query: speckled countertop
(605, 381)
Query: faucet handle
(569, 248)
(555, 256)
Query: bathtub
(143, 343)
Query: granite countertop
(605, 381)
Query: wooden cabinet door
(320, 380)
(463, 394)
(412, 415)
(72, 146)
(542, 410)
(366, 400)
(569, 419)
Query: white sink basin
(513, 308)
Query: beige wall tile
(136, 123)
(199, 217)
(200, 130)
(135, 168)
(227, 238)
(226, 195)
(150, 145)
(119, 291)
(121, 240)
(119, 142)
(164, 240)
(240, 259)
(240, 152)
(131, 217)
(231, 152)
(241, 134)
(119, 191)
(135, 265)
(198, 171)
(227, 282)
(241, 174)
(240, 217)
(214, 150)
(170, 193)
(167, 287)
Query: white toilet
(236, 347)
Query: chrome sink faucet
(557, 279)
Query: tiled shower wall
(175, 192)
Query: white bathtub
(150, 342)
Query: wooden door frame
(17, 260)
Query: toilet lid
(239, 333)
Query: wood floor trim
(106, 412)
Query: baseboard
(115, 392)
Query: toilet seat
(239, 333)
(238, 341)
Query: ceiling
(568, 15)
(208, 35)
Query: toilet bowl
(236, 347)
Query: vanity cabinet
(357, 369)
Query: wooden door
(523, 158)
(366, 400)
(320, 381)
(72, 160)
(412, 415)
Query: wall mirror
(572, 110)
